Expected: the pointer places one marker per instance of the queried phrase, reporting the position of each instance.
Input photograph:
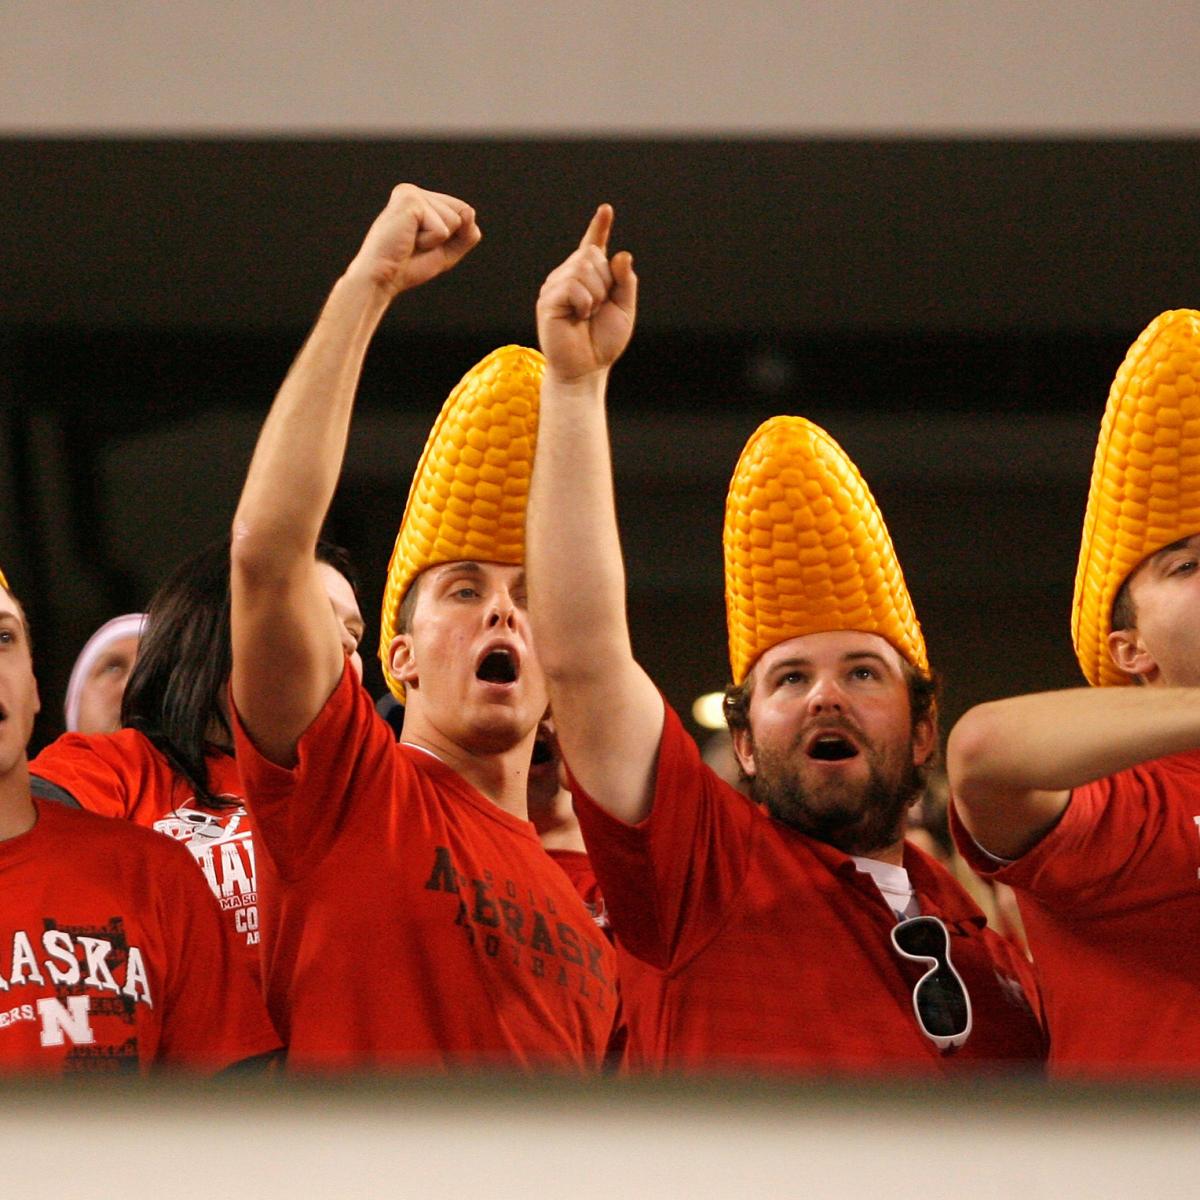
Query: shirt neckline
(429, 763)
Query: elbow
(261, 553)
(578, 644)
(567, 673)
(577, 665)
(969, 757)
(248, 550)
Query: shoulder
(1176, 772)
(680, 763)
(342, 726)
(125, 750)
(91, 830)
(78, 837)
(1160, 787)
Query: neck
(554, 818)
(17, 814)
(500, 775)
(893, 854)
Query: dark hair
(404, 615)
(923, 693)
(1124, 611)
(176, 691)
(1124, 616)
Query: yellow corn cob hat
(468, 496)
(1145, 491)
(3, 581)
(806, 549)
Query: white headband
(129, 625)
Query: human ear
(924, 740)
(1130, 655)
(743, 748)
(403, 660)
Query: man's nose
(826, 695)
(502, 612)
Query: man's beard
(856, 817)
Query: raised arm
(1012, 763)
(287, 650)
(607, 712)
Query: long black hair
(176, 693)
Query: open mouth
(831, 747)
(498, 666)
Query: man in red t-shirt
(113, 956)
(410, 917)
(799, 933)
(1087, 801)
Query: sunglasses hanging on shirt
(940, 997)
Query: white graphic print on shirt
(225, 853)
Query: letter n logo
(70, 1020)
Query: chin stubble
(857, 818)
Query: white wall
(464, 1139)
(395, 67)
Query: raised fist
(418, 235)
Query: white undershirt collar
(894, 884)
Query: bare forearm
(576, 573)
(1061, 740)
(295, 468)
(608, 713)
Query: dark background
(952, 311)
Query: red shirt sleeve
(299, 810)
(1095, 857)
(104, 773)
(668, 881)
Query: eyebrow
(467, 567)
(851, 656)
(470, 567)
(867, 654)
(1184, 543)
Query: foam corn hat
(467, 499)
(1145, 490)
(806, 549)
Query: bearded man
(802, 935)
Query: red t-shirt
(123, 775)
(747, 945)
(410, 922)
(113, 956)
(1111, 903)
(578, 868)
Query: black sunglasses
(940, 997)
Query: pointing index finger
(599, 229)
